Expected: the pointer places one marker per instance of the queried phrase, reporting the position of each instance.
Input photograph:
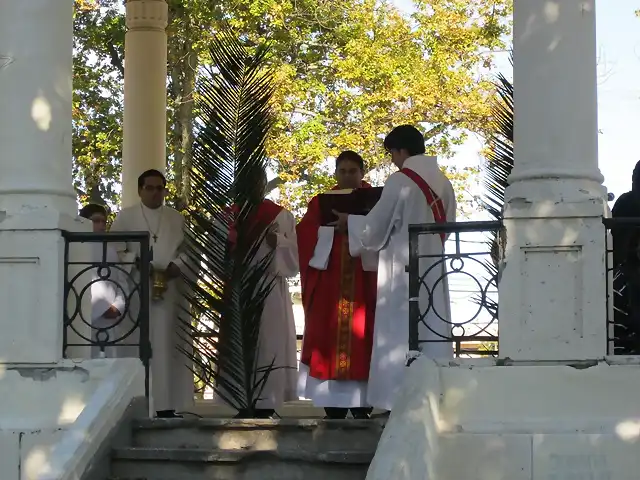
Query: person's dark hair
(405, 137)
(150, 174)
(91, 209)
(352, 156)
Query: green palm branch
(229, 283)
(500, 161)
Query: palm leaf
(500, 161)
(228, 289)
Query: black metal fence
(106, 304)
(453, 296)
(622, 262)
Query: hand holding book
(351, 202)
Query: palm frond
(500, 161)
(230, 280)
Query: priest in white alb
(172, 384)
(418, 193)
(277, 342)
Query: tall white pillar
(37, 198)
(552, 291)
(145, 93)
(35, 105)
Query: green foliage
(346, 72)
(97, 100)
(233, 97)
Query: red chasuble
(339, 306)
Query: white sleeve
(322, 252)
(285, 259)
(372, 232)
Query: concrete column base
(476, 420)
(553, 285)
(32, 293)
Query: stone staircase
(230, 449)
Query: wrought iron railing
(465, 316)
(93, 277)
(622, 262)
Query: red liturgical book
(354, 202)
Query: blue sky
(618, 37)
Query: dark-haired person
(171, 379)
(339, 298)
(626, 245)
(107, 296)
(277, 338)
(418, 193)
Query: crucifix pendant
(155, 238)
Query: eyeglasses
(151, 188)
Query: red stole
(258, 220)
(339, 305)
(435, 202)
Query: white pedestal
(553, 286)
(487, 422)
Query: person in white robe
(277, 342)
(108, 303)
(171, 382)
(386, 230)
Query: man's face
(152, 193)
(99, 222)
(349, 174)
(398, 157)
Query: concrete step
(220, 464)
(310, 436)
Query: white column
(35, 105)
(37, 198)
(552, 291)
(145, 93)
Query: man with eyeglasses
(171, 379)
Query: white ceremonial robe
(277, 342)
(172, 385)
(104, 294)
(386, 230)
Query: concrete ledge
(74, 452)
(498, 420)
(235, 456)
(256, 424)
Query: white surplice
(172, 386)
(277, 342)
(386, 230)
(333, 393)
(107, 289)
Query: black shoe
(361, 413)
(167, 414)
(334, 413)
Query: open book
(358, 201)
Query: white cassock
(277, 341)
(386, 230)
(172, 386)
(107, 289)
